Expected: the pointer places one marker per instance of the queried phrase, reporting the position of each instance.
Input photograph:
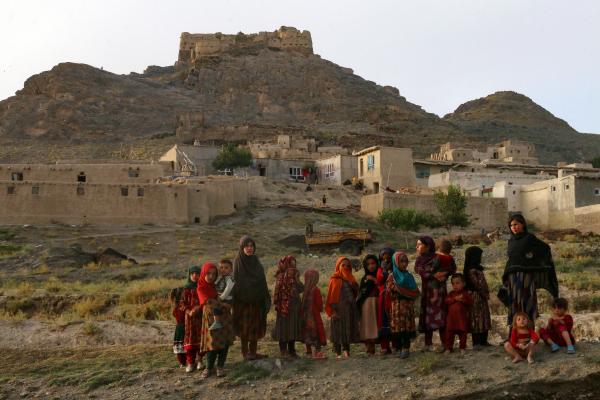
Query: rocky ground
(71, 327)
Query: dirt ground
(71, 328)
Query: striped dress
(289, 327)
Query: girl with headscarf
(383, 302)
(340, 306)
(477, 285)
(403, 292)
(286, 300)
(366, 302)
(529, 266)
(214, 342)
(432, 315)
(193, 319)
(251, 299)
(313, 331)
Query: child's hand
(335, 315)
(459, 297)
(372, 278)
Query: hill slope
(505, 115)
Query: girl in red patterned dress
(193, 320)
(459, 302)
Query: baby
(224, 285)
(445, 264)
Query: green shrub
(452, 207)
(407, 219)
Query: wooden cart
(350, 242)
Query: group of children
(380, 308)
(203, 320)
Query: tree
(230, 156)
(596, 162)
(452, 207)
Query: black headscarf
(527, 253)
(366, 285)
(472, 261)
(249, 276)
(190, 283)
(387, 266)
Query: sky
(439, 54)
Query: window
(370, 163)
(566, 186)
(10, 190)
(329, 171)
(140, 192)
(296, 173)
(81, 177)
(196, 220)
(133, 173)
(553, 188)
(80, 191)
(361, 169)
(35, 190)
(16, 176)
(124, 191)
(597, 191)
(514, 192)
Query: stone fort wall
(193, 46)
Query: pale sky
(439, 54)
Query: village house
(114, 194)
(507, 151)
(381, 167)
(337, 169)
(191, 160)
(571, 200)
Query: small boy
(445, 263)
(224, 285)
(558, 332)
(459, 302)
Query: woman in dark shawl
(366, 302)
(476, 284)
(432, 315)
(251, 299)
(528, 268)
(384, 302)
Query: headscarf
(311, 278)
(367, 285)
(206, 290)
(404, 278)
(335, 284)
(472, 261)
(249, 276)
(386, 265)
(190, 283)
(527, 253)
(285, 284)
(424, 259)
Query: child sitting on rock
(522, 339)
(558, 333)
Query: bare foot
(346, 354)
(447, 352)
(462, 352)
(530, 359)
(517, 359)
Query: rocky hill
(251, 91)
(513, 115)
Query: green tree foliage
(596, 162)
(231, 157)
(407, 219)
(452, 207)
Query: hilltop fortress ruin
(195, 45)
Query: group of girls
(232, 299)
